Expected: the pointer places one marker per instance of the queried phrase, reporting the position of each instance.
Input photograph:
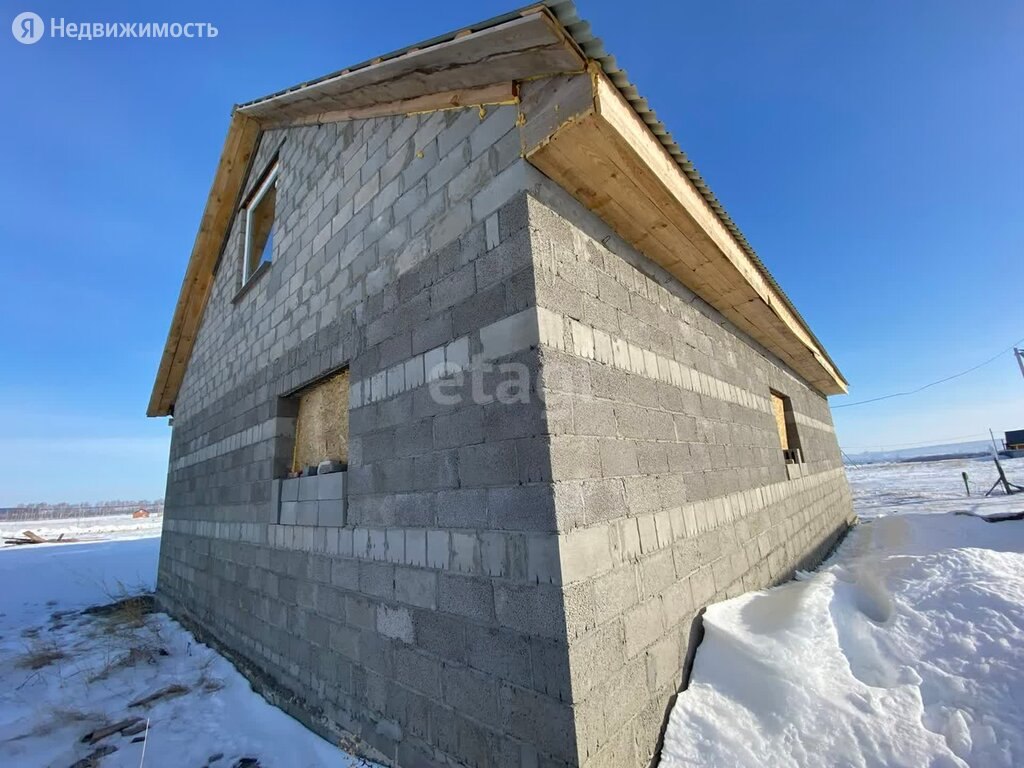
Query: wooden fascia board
(529, 46)
(243, 134)
(495, 94)
(604, 155)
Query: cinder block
(582, 339)
(492, 553)
(509, 335)
(395, 545)
(414, 372)
(644, 624)
(331, 512)
(543, 721)
(308, 487)
(465, 552)
(377, 546)
(415, 547)
(456, 354)
(466, 596)
(289, 512)
(331, 486)
(462, 427)
(275, 498)
(396, 379)
(648, 533)
(618, 458)
(416, 586)
(491, 231)
(488, 464)
(585, 552)
(290, 489)
(551, 329)
(307, 512)
(433, 364)
(618, 592)
(462, 508)
(536, 609)
(419, 671)
(512, 180)
(377, 579)
(657, 573)
(543, 560)
(472, 693)
(395, 623)
(438, 549)
(626, 694)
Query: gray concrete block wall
(515, 582)
(431, 625)
(671, 490)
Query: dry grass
(121, 628)
(54, 721)
(41, 655)
(210, 684)
(126, 612)
(134, 656)
(355, 747)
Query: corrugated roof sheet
(566, 13)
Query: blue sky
(872, 152)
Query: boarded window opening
(782, 409)
(321, 427)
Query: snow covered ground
(64, 674)
(106, 527)
(906, 648)
(934, 486)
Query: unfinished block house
(479, 397)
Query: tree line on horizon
(46, 511)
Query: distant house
(479, 398)
(140, 513)
(1014, 444)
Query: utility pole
(1019, 354)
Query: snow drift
(905, 649)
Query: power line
(937, 442)
(932, 384)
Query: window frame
(791, 445)
(268, 181)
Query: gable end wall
(430, 625)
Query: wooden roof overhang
(576, 127)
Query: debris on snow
(28, 537)
(109, 730)
(164, 693)
(124, 652)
